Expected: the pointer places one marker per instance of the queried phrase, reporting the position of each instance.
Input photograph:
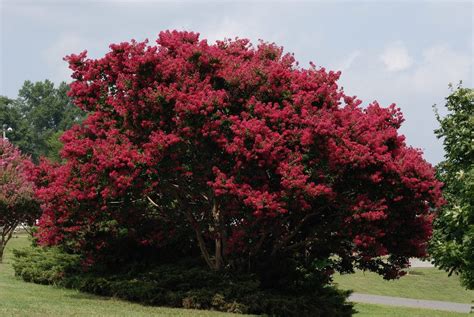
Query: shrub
(44, 265)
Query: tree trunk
(5, 235)
(216, 227)
(2, 248)
(216, 214)
(200, 239)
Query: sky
(402, 52)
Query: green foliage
(44, 265)
(21, 135)
(38, 117)
(50, 108)
(54, 145)
(452, 246)
(183, 284)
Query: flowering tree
(17, 200)
(239, 154)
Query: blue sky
(404, 52)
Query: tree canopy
(38, 117)
(18, 203)
(453, 243)
(234, 153)
(12, 117)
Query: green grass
(366, 310)
(420, 283)
(18, 298)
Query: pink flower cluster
(17, 191)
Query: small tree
(452, 246)
(17, 199)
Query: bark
(184, 205)
(6, 233)
(200, 239)
(217, 227)
(218, 241)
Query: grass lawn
(369, 310)
(18, 298)
(420, 283)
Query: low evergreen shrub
(44, 265)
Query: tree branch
(290, 236)
(200, 239)
(259, 244)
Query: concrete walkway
(408, 302)
(414, 262)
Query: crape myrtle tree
(452, 246)
(234, 153)
(18, 203)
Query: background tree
(18, 202)
(236, 154)
(48, 110)
(21, 135)
(38, 117)
(452, 246)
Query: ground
(18, 298)
(420, 283)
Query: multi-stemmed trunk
(216, 227)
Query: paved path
(414, 262)
(408, 302)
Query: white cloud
(228, 28)
(441, 65)
(66, 44)
(395, 57)
(242, 25)
(347, 62)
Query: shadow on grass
(87, 296)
